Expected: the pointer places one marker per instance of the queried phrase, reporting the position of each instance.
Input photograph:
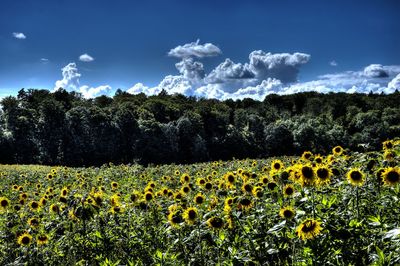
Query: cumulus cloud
(394, 84)
(70, 82)
(195, 49)
(19, 35)
(228, 70)
(91, 92)
(333, 63)
(282, 66)
(263, 74)
(190, 69)
(375, 71)
(86, 58)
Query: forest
(63, 128)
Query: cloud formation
(375, 71)
(70, 82)
(86, 58)
(195, 49)
(19, 35)
(283, 66)
(333, 63)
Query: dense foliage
(339, 209)
(61, 127)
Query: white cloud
(265, 73)
(190, 69)
(44, 60)
(19, 35)
(70, 82)
(333, 63)
(375, 71)
(86, 58)
(283, 66)
(92, 92)
(228, 70)
(394, 84)
(195, 49)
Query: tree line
(63, 128)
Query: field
(338, 209)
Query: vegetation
(62, 128)
(339, 209)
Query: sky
(212, 49)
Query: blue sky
(129, 42)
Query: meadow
(338, 209)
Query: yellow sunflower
(190, 215)
(25, 239)
(391, 176)
(287, 213)
(355, 177)
(309, 229)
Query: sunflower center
(277, 166)
(393, 177)
(287, 213)
(307, 172)
(25, 240)
(192, 215)
(356, 176)
(289, 191)
(245, 202)
(4, 203)
(323, 173)
(231, 179)
(308, 227)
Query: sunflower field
(339, 209)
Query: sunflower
(387, 145)
(215, 223)
(208, 185)
(190, 215)
(148, 196)
(272, 185)
(25, 239)
(324, 174)
(33, 222)
(178, 196)
(200, 181)
(355, 177)
(175, 218)
(309, 229)
(318, 159)
(199, 198)
(64, 192)
(257, 192)
(34, 205)
(287, 213)
(230, 178)
(54, 208)
(114, 185)
(307, 175)
(42, 239)
(306, 155)
(185, 189)
(276, 165)
(288, 190)
(391, 176)
(389, 155)
(116, 209)
(4, 203)
(337, 151)
(245, 203)
(185, 178)
(247, 187)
